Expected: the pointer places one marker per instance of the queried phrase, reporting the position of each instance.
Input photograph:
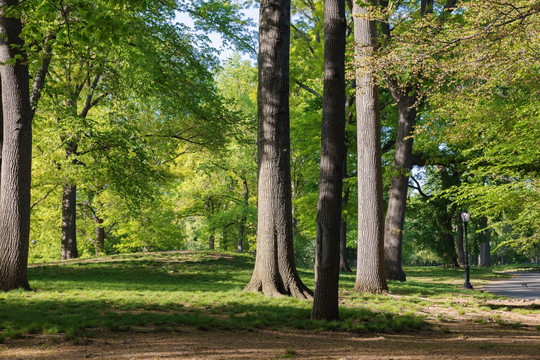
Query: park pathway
(525, 285)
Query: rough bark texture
(370, 271)
(397, 197)
(16, 154)
(69, 228)
(484, 258)
(325, 302)
(275, 271)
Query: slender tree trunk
(242, 228)
(69, 213)
(16, 153)
(275, 271)
(211, 242)
(325, 302)
(100, 236)
(343, 253)
(69, 229)
(370, 271)
(397, 197)
(484, 258)
(459, 242)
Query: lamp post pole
(465, 217)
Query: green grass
(166, 291)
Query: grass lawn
(167, 291)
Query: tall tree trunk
(325, 302)
(69, 213)
(484, 258)
(16, 152)
(242, 228)
(100, 236)
(459, 243)
(211, 241)
(397, 197)
(69, 229)
(275, 271)
(370, 272)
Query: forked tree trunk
(275, 271)
(325, 301)
(370, 272)
(69, 228)
(16, 153)
(397, 197)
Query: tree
(370, 272)
(16, 151)
(325, 302)
(275, 271)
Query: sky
(224, 53)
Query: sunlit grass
(166, 291)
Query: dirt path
(449, 342)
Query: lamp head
(465, 216)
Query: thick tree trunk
(325, 302)
(275, 271)
(16, 153)
(69, 228)
(397, 197)
(370, 271)
(100, 236)
(484, 258)
(459, 242)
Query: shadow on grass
(86, 297)
(87, 317)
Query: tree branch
(308, 89)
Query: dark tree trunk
(275, 271)
(242, 228)
(69, 229)
(69, 213)
(370, 272)
(211, 242)
(445, 223)
(484, 258)
(459, 242)
(343, 253)
(16, 153)
(100, 236)
(325, 302)
(397, 197)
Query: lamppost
(465, 217)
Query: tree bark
(397, 197)
(16, 153)
(100, 236)
(69, 213)
(370, 271)
(325, 302)
(69, 228)
(484, 258)
(275, 271)
(343, 253)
